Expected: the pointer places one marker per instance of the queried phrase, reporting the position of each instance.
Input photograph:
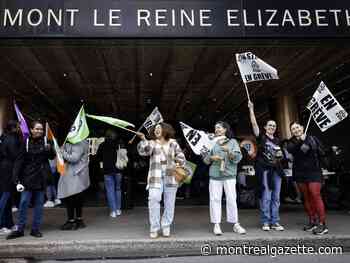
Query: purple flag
(22, 122)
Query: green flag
(79, 130)
(112, 121)
(192, 168)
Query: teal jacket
(231, 159)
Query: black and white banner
(325, 109)
(253, 68)
(200, 141)
(153, 119)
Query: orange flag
(59, 157)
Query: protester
(223, 160)
(269, 172)
(165, 154)
(107, 154)
(307, 152)
(74, 182)
(10, 145)
(31, 170)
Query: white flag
(325, 109)
(253, 68)
(199, 141)
(153, 119)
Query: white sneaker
(5, 231)
(14, 209)
(113, 214)
(266, 227)
(217, 230)
(237, 228)
(57, 202)
(153, 235)
(277, 227)
(166, 232)
(49, 204)
(119, 212)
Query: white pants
(154, 198)
(215, 195)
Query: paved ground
(127, 236)
(228, 259)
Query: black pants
(74, 205)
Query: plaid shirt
(156, 167)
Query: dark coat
(306, 159)
(107, 153)
(9, 150)
(32, 164)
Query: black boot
(69, 225)
(79, 223)
(15, 234)
(36, 233)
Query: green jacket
(231, 159)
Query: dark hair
(229, 133)
(11, 126)
(168, 131)
(292, 123)
(111, 134)
(35, 122)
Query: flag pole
(133, 138)
(308, 124)
(246, 89)
(135, 132)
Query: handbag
(122, 158)
(180, 173)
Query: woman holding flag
(223, 160)
(31, 170)
(269, 172)
(165, 155)
(307, 152)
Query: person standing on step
(269, 172)
(74, 182)
(223, 160)
(107, 154)
(165, 155)
(30, 172)
(307, 152)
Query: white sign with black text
(253, 68)
(325, 109)
(199, 141)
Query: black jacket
(32, 164)
(9, 150)
(306, 159)
(107, 153)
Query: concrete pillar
(286, 112)
(6, 113)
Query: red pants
(313, 202)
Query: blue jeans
(270, 199)
(4, 198)
(114, 192)
(154, 199)
(51, 192)
(26, 197)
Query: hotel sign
(174, 19)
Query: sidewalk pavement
(128, 235)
